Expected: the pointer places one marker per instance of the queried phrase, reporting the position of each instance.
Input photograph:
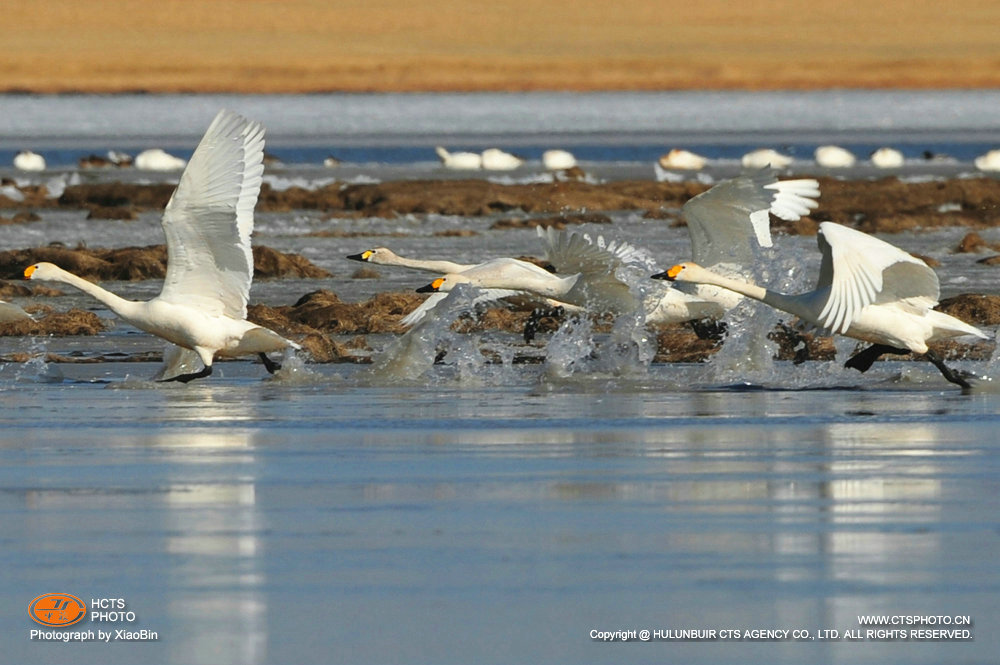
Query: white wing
(209, 219)
(571, 253)
(859, 269)
(433, 305)
(722, 220)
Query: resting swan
(207, 223)
(867, 289)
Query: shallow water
(492, 513)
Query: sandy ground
(438, 45)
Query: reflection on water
(219, 512)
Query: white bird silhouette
(27, 160)
(834, 157)
(494, 159)
(462, 161)
(156, 159)
(764, 157)
(558, 160)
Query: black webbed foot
(269, 364)
(185, 378)
(862, 361)
(954, 376)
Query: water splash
(408, 358)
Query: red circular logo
(57, 609)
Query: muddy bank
(139, 263)
(886, 205)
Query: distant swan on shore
(156, 159)
(27, 160)
(683, 160)
(494, 159)
(462, 161)
(558, 160)
(764, 157)
(834, 157)
(989, 161)
(887, 158)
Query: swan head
(444, 284)
(682, 272)
(371, 255)
(43, 271)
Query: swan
(989, 161)
(467, 161)
(727, 222)
(868, 290)
(27, 160)
(558, 160)
(496, 279)
(834, 157)
(494, 159)
(764, 157)
(590, 274)
(887, 158)
(156, 159)
(386, 257)
(207, 222)
(683, 160)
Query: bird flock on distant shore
(867, 289)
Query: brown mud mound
(140, 263)
(885, 205)
(57, 324)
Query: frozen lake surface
(497, 513)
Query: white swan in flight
(207, 222)
(724, 223)
(386, 257)
(867, 289)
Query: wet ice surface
(495, 513)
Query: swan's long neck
(441, 267)
(125, 309)
(793, 304)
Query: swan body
(989, 161)
(463, 161)
(156, 159)
(207, 222)
(887, 158)
(386, 257)
(834, 157)
(496, 279)
(683, 160)
(867, 289)
(763, 158)
(558, 160)
(494, 159)
(27, 160)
